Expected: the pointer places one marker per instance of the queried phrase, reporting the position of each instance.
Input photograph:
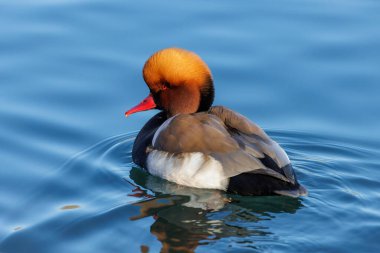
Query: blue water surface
(308, 72)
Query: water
(307, 72)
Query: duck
(192, 143)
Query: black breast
(145, 137)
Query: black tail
(260, 185)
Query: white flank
(191, 169)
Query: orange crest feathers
(175, 67)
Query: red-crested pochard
(198, 145)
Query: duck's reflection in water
(187, 217)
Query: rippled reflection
(186, 217)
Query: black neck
(207, 96)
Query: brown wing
(199, 132)
(250, 135)
(254, 141)
(240, 145)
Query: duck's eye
(165, 85)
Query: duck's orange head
(179, 82)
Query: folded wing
(237, 143)
(255, 145)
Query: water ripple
(100, 189)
